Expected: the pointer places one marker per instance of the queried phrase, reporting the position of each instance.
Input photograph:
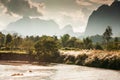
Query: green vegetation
(14, 42)
(47, 49)
(107, 34)
(87, 43)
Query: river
(55, 72)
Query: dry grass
(16, 51)
(95, 58)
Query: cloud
(83, 3)
(102, 1)
(76, 19)
(22, 7)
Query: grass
(13, 51)
(94, 58)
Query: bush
(93, 61)
(47, 49)
(96, 58)
(80, 59)
(69, 59)
(98, 47)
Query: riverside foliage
(47, 49)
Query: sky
(63, 12)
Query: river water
(55, 72)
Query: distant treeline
(15, 42)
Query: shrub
(98, 47)
(80, 59)
(69, 59)
(47, 49)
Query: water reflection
(55, 72)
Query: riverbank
(18, 63)
(91, 58)
(15, 63)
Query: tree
(87, 42)
(27, 44)
(2, 39)
(107, 34)
(78, 44)
(47, 49)
(116, 43)
(16, 42)
(36, 38)
(71, 42)
(8, 39)
(98, 46)
(64, 39)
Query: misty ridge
(36, 26)
(97, 23)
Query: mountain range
(102, 17)
(36, 26)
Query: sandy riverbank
(15, 63)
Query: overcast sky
(63, 12)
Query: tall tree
(87, 42)
(2, 39)
(64, 39)
(107, 34)
(8, 39)
(16, 42)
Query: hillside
(104, 16)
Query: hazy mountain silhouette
(69, 30)
(36, 26)
(27, 26)
(104, 16)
